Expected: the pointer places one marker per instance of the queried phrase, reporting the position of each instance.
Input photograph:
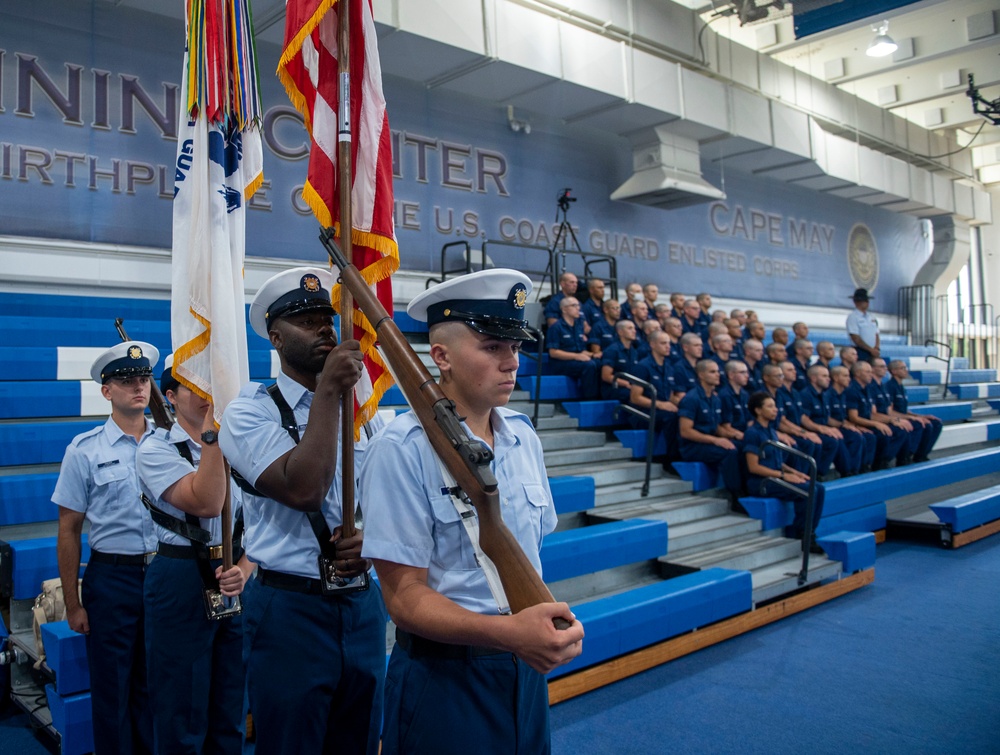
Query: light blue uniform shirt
(160, 466)
(252, 438)
(862, 324)
(98, 478)
(411, 519)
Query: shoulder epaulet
(93, 432)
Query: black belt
(421, 647)
(289, 582)
(190, 552)
(121, 559)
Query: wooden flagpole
(346, 299)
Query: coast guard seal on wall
(862, 257)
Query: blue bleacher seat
(27, 497)
(39, 442)
(855, 550)
(970, 510)
(863, 519)
(572, 494)
(969, 391)
(34, 561)
(407, 324)
(918, 394)
(66, 655)
(72, 718)
(594, 413)
(773, 513)
(585, 550)
(698, 474)
(636, 618)
(636, 440)
(553, 387)
(955, 412)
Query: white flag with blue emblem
(218, 169)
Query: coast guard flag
(219, 167)
(308, 69)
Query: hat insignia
(134, 352)
(520, 297)
(310, 283)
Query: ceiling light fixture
(882, 44)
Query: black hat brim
(502, 331)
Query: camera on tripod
(564, 199)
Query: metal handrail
(651, 422)
(553, 269)
(538, 370)
(810, 497)
(947, 361)
(460, 270)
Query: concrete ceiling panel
(593, 61)
(452, 22)
(791, 129)
(421, 59)
(528, 39)
(498, 81)
(656, 82)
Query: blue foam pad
(865, 519)
(593, 413)
(72, 718)
(946, 412)
(41, 398)
(528, 366)
(918, 394)
(39, 442)
(27, 498)
(572, 493)
(34, 561)
(586, 550)
(970, 510)
(698, 474)
(636, 618)
(636, 440)
(407, 324)
(973, 376)
(855, 550)
(773, 513)
(975, 390)
(66, 655)
(928, 377)
(553, 387)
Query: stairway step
(750, 555)
(607, 495)
(556, 422)
(609, 473)
(527, 407)
(707, 531)
(673, 509)
(561, 440)
(782, 577)
(607, 453)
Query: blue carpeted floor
(909, 664)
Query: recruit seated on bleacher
(836, 401)
(848, 356)
(602, 332)
(918, 429)
(753, 358)
(702, 438)
(889, 439)
(802, 351)
(621, 356)
(900, 404)
(655, 370)
(774, 385)
(685, 372)
(568, 353)
(593, 309)
(816, 417)
(633, 294)
(825, 352)
(767, 464)
(568, 284)
(734, 396)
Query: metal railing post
(809, 495)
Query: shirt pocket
(452, 547)
(530, 520)
(111, 484)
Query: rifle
(157, 404)
(467, 460)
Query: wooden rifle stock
(157, 404)
(464, 458)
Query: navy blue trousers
(116, 655)
(490, 705)
(195, 665)
(825, 454)
(930, 435)
(766, 487)
(850, 452)
(315, 669)
(727, 461)
(888, 447)
(587, 375)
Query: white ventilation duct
(667, 172)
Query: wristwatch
(210, 437)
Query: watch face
(209, 436)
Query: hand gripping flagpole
(344, 163)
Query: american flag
(308, 69)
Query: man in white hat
(98, 483)
(195, 662)
(462, 674)
(314, 644)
